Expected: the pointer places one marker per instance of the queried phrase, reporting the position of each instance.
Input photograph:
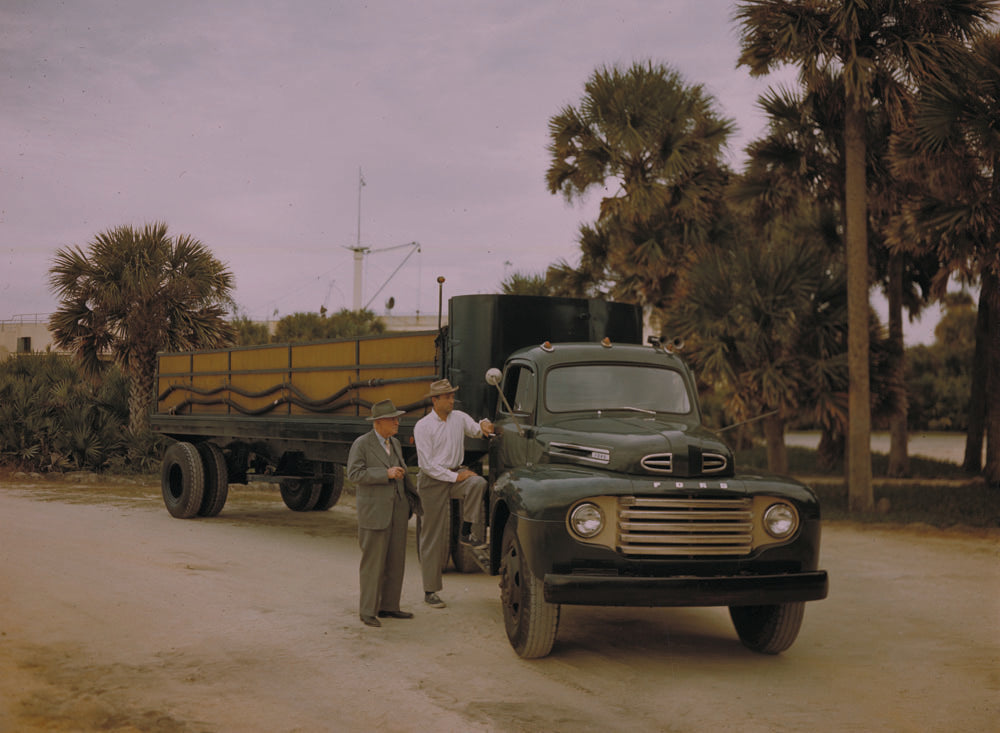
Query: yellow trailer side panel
(326, 354)
(330, 377)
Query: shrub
(54, 418)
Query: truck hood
(637, 444)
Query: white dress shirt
(441, 443)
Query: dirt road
(116, 617)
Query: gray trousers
(436, 521)
(383, 557)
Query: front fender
(542, 493)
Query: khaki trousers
(436, 520)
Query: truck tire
(213, 464)
(461, 555)
(182, 480)
(329, 492)
(531, 622)
(767, 629)
(300, 494)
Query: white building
(24, 334)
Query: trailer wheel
(182, 480)
(300, 494)
(531, 622)
(329, 493)
(213, 463)
(768, 629)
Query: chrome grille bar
(684, 527)
(713, 463)
(658, 463)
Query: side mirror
(493, 377)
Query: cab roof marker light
(547, 346)
(606, 342)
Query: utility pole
(359, 251)
(359, 257)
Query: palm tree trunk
(973, 461)
(774, 437)
(858, 459)
(142, 393)
(991, 301)
(830, 450)
(899, 461)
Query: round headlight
(587, 520)
(780, 520)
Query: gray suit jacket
(368, 468)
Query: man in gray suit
(384, 500)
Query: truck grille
(684, 527)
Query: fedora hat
(441, 387)
(384, 409)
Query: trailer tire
(531, 621)
(768, 629)
(300, 494)
(182, 480)
(330, 491)
(213, 463)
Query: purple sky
(244, 123)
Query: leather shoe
(471, 540)
(432, 599)
(395, 614)
(370, 621)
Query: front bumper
(736, 590)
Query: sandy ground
(116, 617)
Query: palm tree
(524, 283)
(654, 143)
(801, 156)
(894, 43)
(951, 156)
(133, 293)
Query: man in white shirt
(440, 439)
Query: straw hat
(441, 387)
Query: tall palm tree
(895, 43)
(951, 155)
(132, 293)
(655, 144)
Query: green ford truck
(604, 487)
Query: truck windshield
(637, 387)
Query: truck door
(516, 423)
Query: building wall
(23, 334)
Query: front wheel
(182, 480)
(768, 629)
(531, 622)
